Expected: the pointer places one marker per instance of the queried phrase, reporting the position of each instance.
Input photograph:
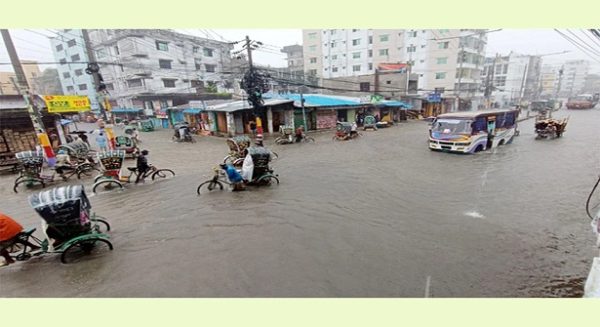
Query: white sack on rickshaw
(247, 168)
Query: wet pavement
(371, 217)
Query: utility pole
(462, 59)
(259, 129)
(522, 88)
(23, 89)
(560, 74)
(94, 70)
(302, 104)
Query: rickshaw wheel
(86, 171)
(267, 180)
(107, 184)
(103, 225)
(78, 250)
(209, 186)
(163, 173)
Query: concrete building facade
(155, 69)
(573, 77)
(8, 80)
(69, 51)
(450, 61)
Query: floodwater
(379, 216)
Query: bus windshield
(452, 126)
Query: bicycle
(153, 172)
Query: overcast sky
(34, 44)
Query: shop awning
(125, 110)
(192, 111)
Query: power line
(576, 44)
(586, 45)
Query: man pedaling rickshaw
(299, 133)
(9, 235)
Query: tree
(49, 82)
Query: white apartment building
(443, 59)
(69, 51)
(507, 76)
(154, 69)
(573, 77)
(549, 81)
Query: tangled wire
(255, 83)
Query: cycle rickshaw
(262, 173)
(68, 224)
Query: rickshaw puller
(9, 234)
(142, 165)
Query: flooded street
(371, 217)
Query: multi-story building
(573, 77)
(295, 60)
(549, 81)
(8, 80)
(512, 78)
(69, 51)
(448, 61)
(592, 84)
(155, 69)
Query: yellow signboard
(67, 103)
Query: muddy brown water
(371, 217)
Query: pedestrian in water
(102, 141)
(252, 127)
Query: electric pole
(522, 88)
(94, 70)
(254, 83)
(23, 89)
(462, 59)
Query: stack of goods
(17, 141)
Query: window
(334, 69)
(198, 64)
(334, 57)
(110, 87)
(444, 31)
(66, 75)
(505, 70)
(356, 68)
(195, 49)
(63, 61)
(59, 47)
(442, 60)
(370, 53)
(210, 68)
(117, 50)
(332, 32)
(134, 82)
(440, 75)
(370, 40)
(412, 34)
(71, 43)
(312, 72)
(70, 89)
(208, 52)
(169, 83)
(312, 48)
(423, 46)
(356, 42)
(162, 46)
(313, 60)
(384, 38)
(100, 53)
(443, 45)
(75, 57)
(498, 69)
(78, 72)
(356, 55)
(165, 64)
(312, 36)
(365, 86)
(388, 82)
(383, 52)
(412, 48)
(197, 83)
(82, 87)
(370, 66)
(333, 44)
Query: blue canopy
(396, 104)
(192, 111)
(125, 110)
(65, 121)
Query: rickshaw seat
(132, 169)
(28, 232)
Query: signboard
(434, 97)
(67, 103)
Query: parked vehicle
(584, 101)
(346, 131)
(473, 131)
